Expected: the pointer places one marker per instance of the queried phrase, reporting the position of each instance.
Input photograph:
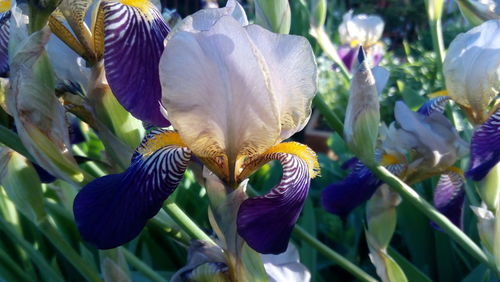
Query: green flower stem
(421, 204)
(184, 222)
(323, 249)
(333, 121)
(434, 12)
(44, 268)
(437, 40)
(67, 251)
(141, 266)
(178, 235)
(326, 44)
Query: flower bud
(485, 226)
(362, 115)
(38, 114)
(273, 15)
(317, 12)
(381, 215)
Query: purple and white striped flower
(233, 92)
(133, 44)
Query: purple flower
(233, 92)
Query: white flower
(233, 90)
(361, 29)
(472, 68)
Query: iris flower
(127, 37)
(360, 30)
(417, 146)
(233, 92)
(472, 72)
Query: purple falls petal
(133, 44)
(485, 148)
(449, 197)
(4, 43)
(348, 55)
(266, 222)
(113, 209)
(433, 105)
(342, 197)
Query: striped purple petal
(133, 44)
(449, 196)
(113, 209)
(4, 43)
(266, 222)
(342, 197)
(433, 105)
(485, 148)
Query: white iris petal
(234, 90)
(472, 67)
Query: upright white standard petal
(472, 68)
(204, 19)
(360, 29)
(293, 73)
(216, 93)
(233, 90)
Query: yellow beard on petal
(4, 5)
(388, 159)
(143, 5)
(438, 93)
(300, 150)
(159, 141)
(456, 170)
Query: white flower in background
(472, 69)
(360, 30)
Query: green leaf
(416, 232)
(10, 270)
(308, 255)
(413, 274)
(253, 266)
(22, 184)
(46, 270)
(480, 274)
(394, 272)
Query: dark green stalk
(331, 254)
(141, 266)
